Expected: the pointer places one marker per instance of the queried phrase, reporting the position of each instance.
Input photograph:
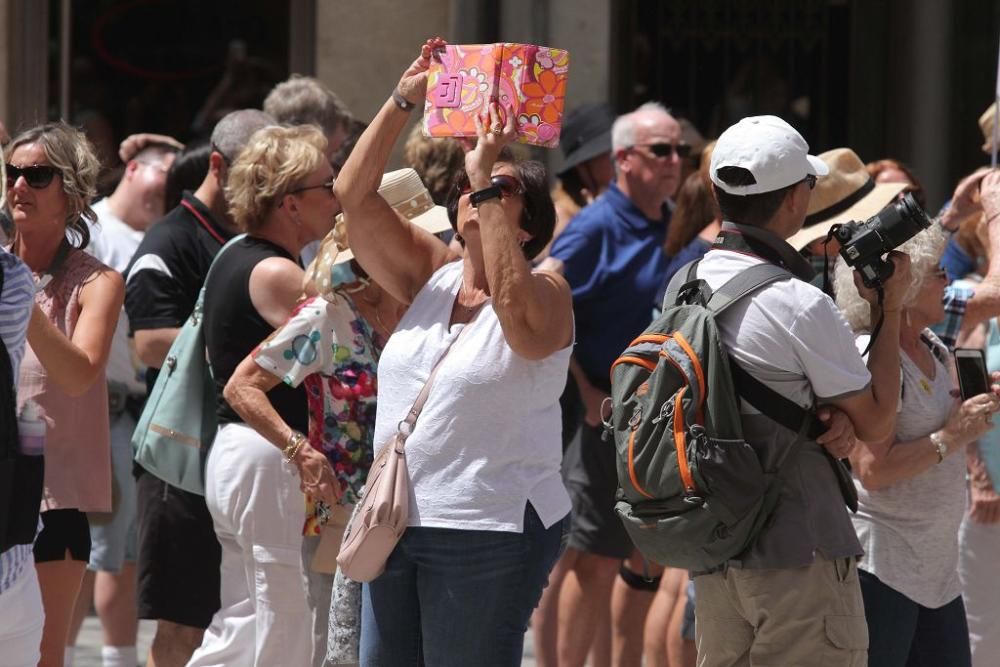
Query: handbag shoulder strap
(199, 304)
(407, 423)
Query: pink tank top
(78, 443)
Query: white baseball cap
(770, 149)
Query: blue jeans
(458, 597)
(903, 633)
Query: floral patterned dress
(328, 346)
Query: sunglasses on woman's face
(36, 176)
(509, 186)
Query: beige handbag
(384, 507)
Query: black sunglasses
(509, 186)
(36, 176)
(810, 180)
(325, 186)
(665, 150)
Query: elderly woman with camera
(911, 487)
(487, 503)
(52, 178)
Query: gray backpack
(692, 492)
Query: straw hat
(406, 194)
(986, 122)
(847, 193)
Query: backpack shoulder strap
(764, 399)
(745, 283)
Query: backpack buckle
(607, 422)
(695, 291)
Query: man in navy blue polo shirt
(612, 255)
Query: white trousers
(258, 511)
(978, 554)
(21, 621)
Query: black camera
(862, 244)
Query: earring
(523, 242)
(906, 315)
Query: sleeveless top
(489, 439)
(233, 328)
(909, 529)
(78, 442)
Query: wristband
(401, 102)
(479, 196)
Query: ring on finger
(497, 129)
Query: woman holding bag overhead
(487, 503)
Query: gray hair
(234, 130)
(303, 100)
(924, 250)
(623, 129)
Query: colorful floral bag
(462, 80)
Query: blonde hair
(274, 161)
(68, 150)
(924, 250)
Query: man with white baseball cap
(792, 598)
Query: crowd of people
(474, 305)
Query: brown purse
(384, 507)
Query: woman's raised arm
(396, 254)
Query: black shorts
(62, 531)
(178, 555)
(592, 481)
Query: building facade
(890, 78)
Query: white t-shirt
(789, 335)
(909, 530)
(489, 438)
(113, 242)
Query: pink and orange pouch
(463, 79)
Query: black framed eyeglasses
(665, 150)
(324, 186)
(509, 186)
(37, 176)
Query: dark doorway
(168, 66)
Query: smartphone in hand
(972, 376)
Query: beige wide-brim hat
(986, 122)
(847, 193)
(406, 194)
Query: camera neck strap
(755, 242)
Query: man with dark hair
(793, 597)
(178, 554)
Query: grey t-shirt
(909, 530)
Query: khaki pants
(810, 617)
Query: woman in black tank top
(280, 191)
